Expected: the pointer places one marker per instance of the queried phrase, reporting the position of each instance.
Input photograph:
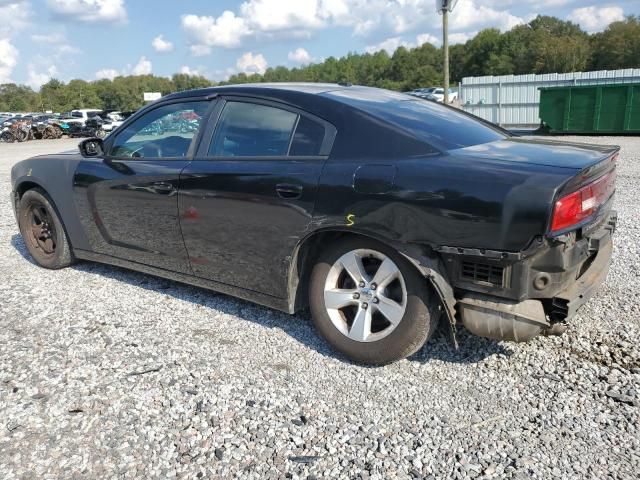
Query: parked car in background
(93, 127)
(437, 95)
(422, 92)
(9, 121)
(112, 119)
(383, 213)
(82, 115)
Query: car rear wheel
(370, 303)
(42, 231)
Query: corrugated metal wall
(513, 100)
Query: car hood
(539, 152)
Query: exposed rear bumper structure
(519, 321)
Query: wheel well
(24, 186)
(305, 258)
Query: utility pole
(445, 48)
(445, 7)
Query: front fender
(53, 174)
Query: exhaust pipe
(502, 319)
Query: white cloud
(278, 15)
(199, 50)
(469, 13)
(300, 56)
(427, 38)
(143, 67)
(265, 19)
(260, 20)
(89, 11)
(57, 42)
(8, 60)
(66, 49)
(15, 16)
(461, 37)
(36, 79)
(186, 70)
(162, 45)
(595, 19)
(537, 3)
(225, 31)
(389, 45)
(54, 37)
(250, 63)
(108, 73)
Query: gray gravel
(106, 373)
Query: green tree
(18, 98)
(563, 54)
(182, 82)
(618, 46)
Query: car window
(308, 138)
(251, 130)
(445, 128)
(76, 114)
(164, 132)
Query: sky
(93, 39)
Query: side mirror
(91, 147)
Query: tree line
(544, 45)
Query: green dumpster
(604, 109)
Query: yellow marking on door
(351, 220)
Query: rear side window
(252, 130)
(307, 141)
(443, 127)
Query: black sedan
(382, 213)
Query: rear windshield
(440, 126)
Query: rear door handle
(163, 187)
(289, 191)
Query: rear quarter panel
(442, 200)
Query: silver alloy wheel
(365, 295)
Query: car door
(248, 196)
(127, 199)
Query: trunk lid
(550, 153)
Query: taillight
(576, 207)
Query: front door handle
(289, 191)
(163, 187)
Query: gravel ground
(106, 373)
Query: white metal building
(513, 100)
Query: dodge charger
(381, 213)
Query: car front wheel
(42, 231)
(370, 303)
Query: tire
(100, 133)
(43, 232)
(7, 137)
(408, 290)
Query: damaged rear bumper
(521, 320)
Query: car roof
(311, 88)
(289, 91)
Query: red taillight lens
(578, 206)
